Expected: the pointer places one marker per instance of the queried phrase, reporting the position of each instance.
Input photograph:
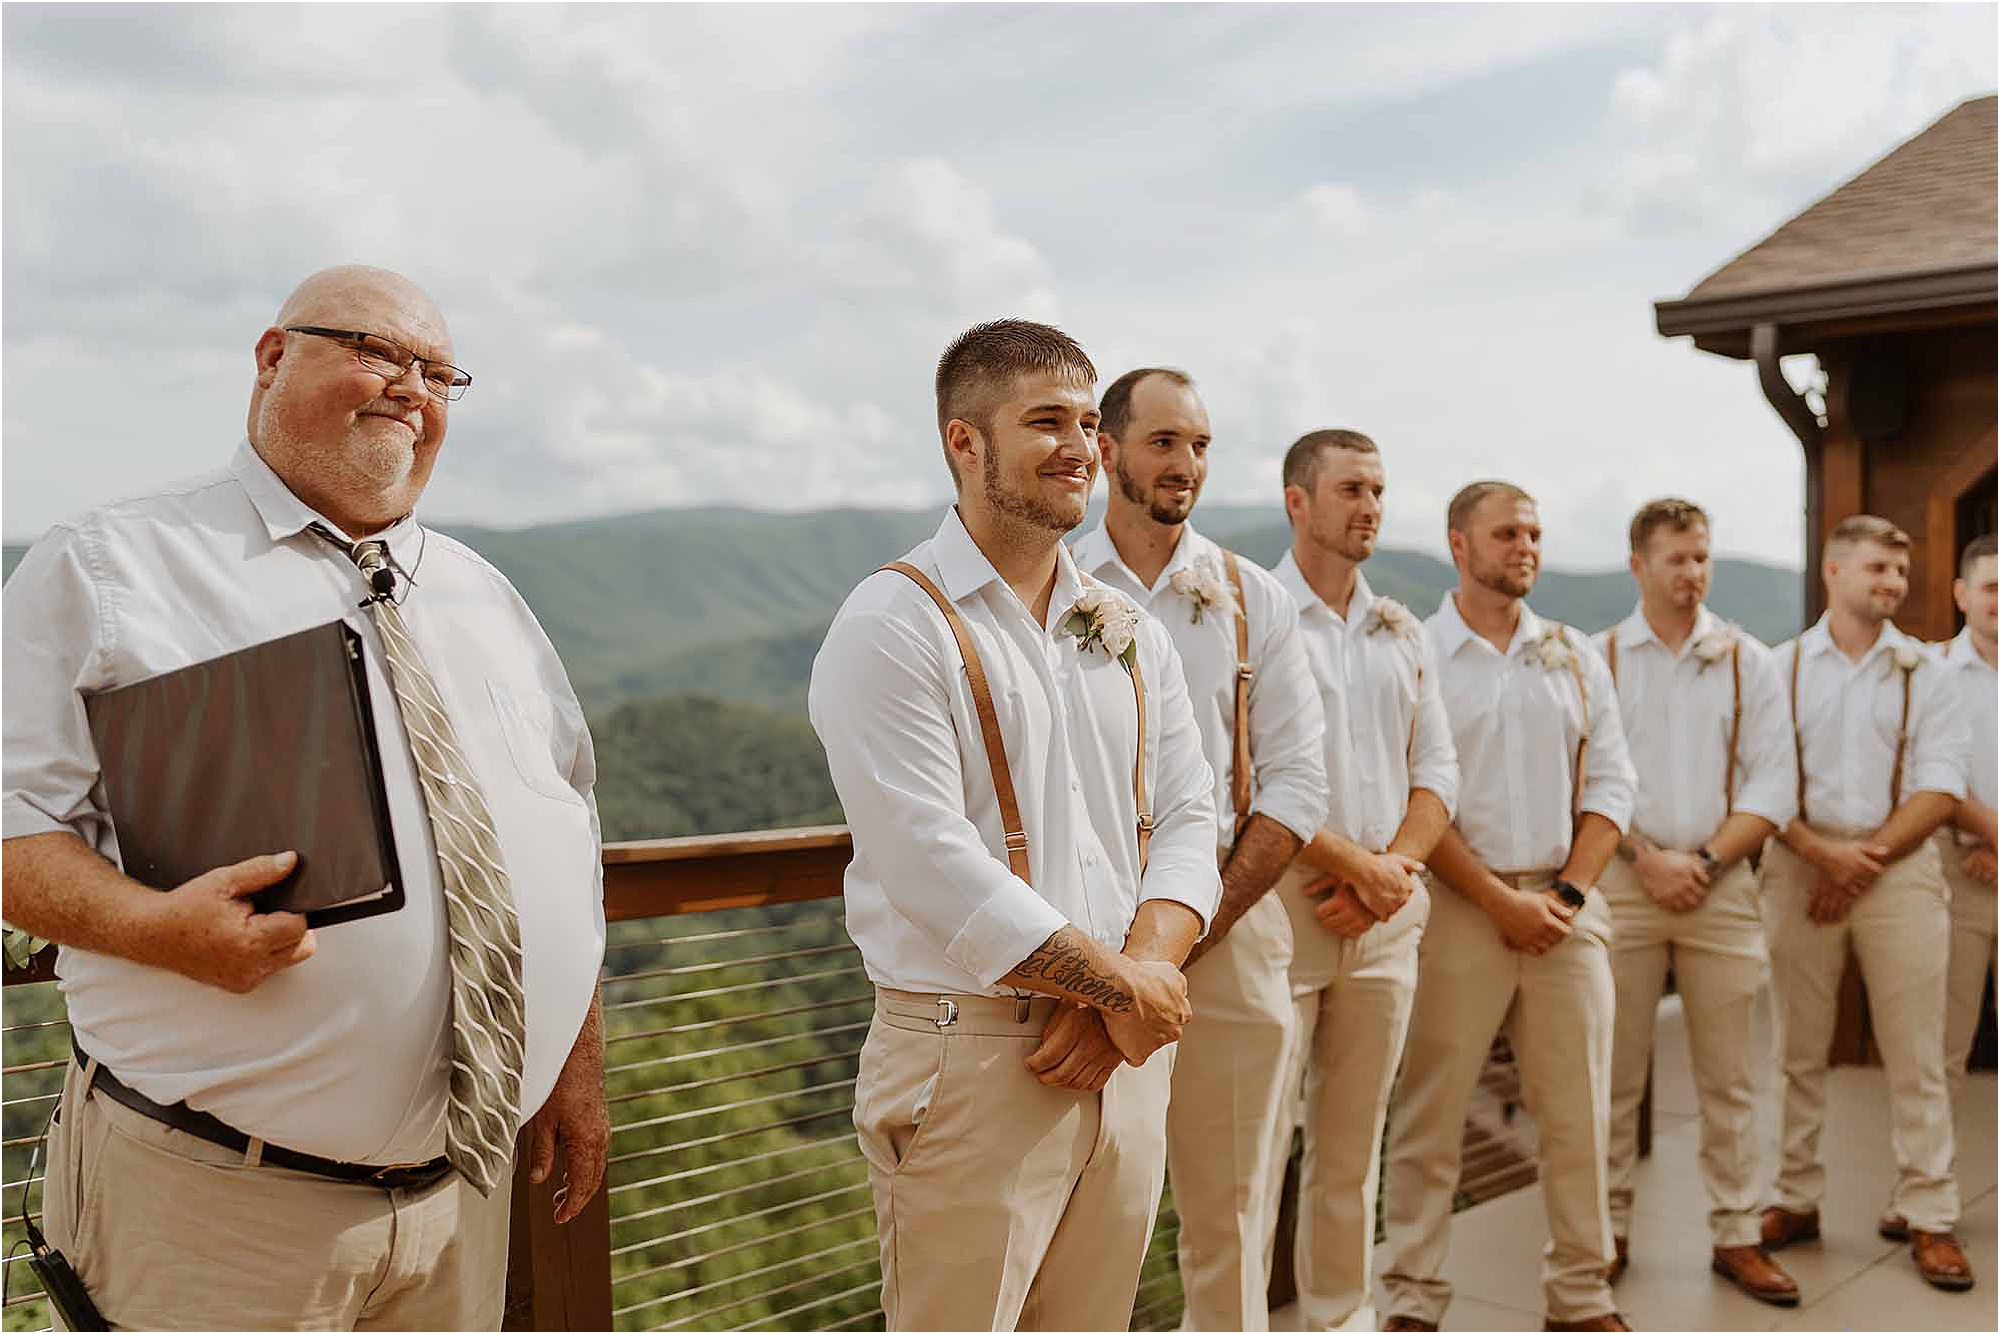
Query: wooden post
(557, 1277)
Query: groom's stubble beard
(1498, 578)
(1032, 511)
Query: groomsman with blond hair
(1879, 766)
(1704, 715)
(1356, 904)
(1260, 722)
(1519, 935)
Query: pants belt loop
(89, 1078)
(1021, 1003)
(253, 1154)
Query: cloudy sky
(709, 255)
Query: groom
(1034, 856)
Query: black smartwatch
(1709, 862)
(1569, 895)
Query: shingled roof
(1916, 231)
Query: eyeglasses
(392, 361)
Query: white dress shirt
(1848, 716)
(1515, 724)
(1678, 709)
(1386, 730)
(347, 1054)
(1288, 778)
(930, 900)
(1976, 702)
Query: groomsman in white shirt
(1967, 843)
(1519, 935)
(1034, 855)
(1704, 715)
(1260, 721)
(1356, 903)
(1879, 765)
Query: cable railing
(736, 1195)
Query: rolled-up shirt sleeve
(1433, 758)
(878, 701)
(1766, 764)
(1287, 725)
(1181, 866)
(54, 632)
(1939, 737)
(1610, 784)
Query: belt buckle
(947, 1012)
(382, 1173)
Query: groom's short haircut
(979, 368)
(1459, 512)
(1667, 512)
(1302, 460)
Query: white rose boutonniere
(1908, 657)
(1551, 651)
(1713, 647)
(1101, 619)
(1392, 618)
(1202, 585)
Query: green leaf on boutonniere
(1130, 657)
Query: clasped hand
(1532, 921)
(1081, 1047)
(1677, 881)
(1349, 907)
(1847, 870)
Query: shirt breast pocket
(529, 745)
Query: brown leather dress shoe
(1620, 1260)
(1782, 1227)
(1893, 1227)
(1753, 1270)
(1609, 1320)
(1407, 1322)
(1940, 1261)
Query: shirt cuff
(1778, 811)
(1007, 928)
(1441, 784)
(1297, 813)
(1946, 778)
(21, 818)
(1616, 811)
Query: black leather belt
(180, 1116)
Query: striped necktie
(488, 1018)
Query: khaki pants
(1557, 1012)
(1228, 1080)
(168, 1231)
(1001, 1203)
(1971, 958)
(1353, 999)
(1901, 933)
(1718, 959)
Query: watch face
(1570, 894)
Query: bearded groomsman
(1966, 845)
(1031, 813)
(1519, 936)
(1704, 715)
(1356, 904)
(1879, 765)
(1260, 726)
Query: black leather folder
(268, 748)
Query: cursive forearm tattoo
(1061, 965)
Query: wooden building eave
(1811, 312)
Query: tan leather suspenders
(1239, 784)
(1735, 707)
(996, 749)
(1799, 737)
(1583, 699)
